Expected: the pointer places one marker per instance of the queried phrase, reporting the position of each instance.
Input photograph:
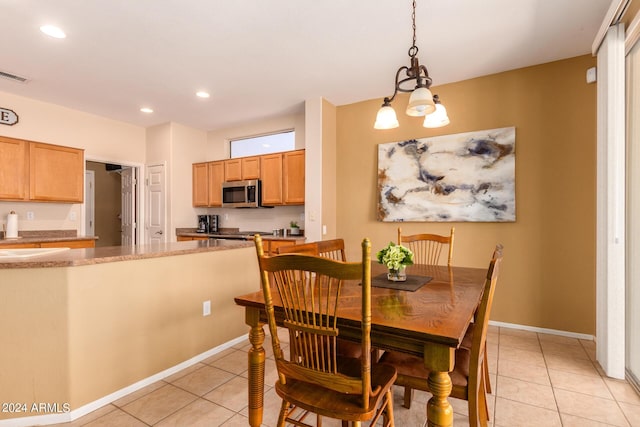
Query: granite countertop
(38, 236)
(191, 232)
(90, 256)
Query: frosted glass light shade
(420, 102)
(436, 119)
(386, 118)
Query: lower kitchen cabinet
(270, 246)
(71, 244)
(188, 238)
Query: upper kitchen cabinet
(283, 178)
(40, 172)
(56, 174)
(242, 168)
(271, 177)
(207, 183)
(216, 178)
(14, 169)
(293, 182)
(200, 187)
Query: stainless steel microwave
(242, 194)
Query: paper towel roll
(12, 226)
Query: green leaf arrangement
(395, 256)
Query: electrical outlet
(72, 216)
(206, 308)
(30, 216)
(226, 217)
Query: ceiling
(261, 58)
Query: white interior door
(633, 218)
(89, 203)
(128, 207)
(155, 196)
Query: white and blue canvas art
(465, 177)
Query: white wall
(102, 139)
(188, 146)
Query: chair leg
(482, 398)
(388, 417)
(284, 408)
(408, 396)
(485, 369)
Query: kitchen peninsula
(87, 326)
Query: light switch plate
(206, 308)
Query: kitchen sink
(28, 252)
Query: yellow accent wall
(548, 274)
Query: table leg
(440, 361)
(256, 358)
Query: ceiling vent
(13, 77)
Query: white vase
(399, 275)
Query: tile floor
(537, 379)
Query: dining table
(427, 316)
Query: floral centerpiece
(396, 258)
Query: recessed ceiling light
(146, 110)
(53, 31)
(202, 94)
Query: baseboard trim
(96, 404)
(543, 330)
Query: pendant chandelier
(421, 102)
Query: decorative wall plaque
(8, 117)
(465, 177)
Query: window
(265, 144)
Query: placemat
(412, 284)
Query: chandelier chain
(413, 20)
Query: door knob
(159, 232)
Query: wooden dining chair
(332, 249)
(314, 379)
(428, 248)
(467, 377)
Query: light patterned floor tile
(139, 393)
(632, 412)
(573, 421)
(200, 413)
(116, 418)
(590, 407)
(586, 384)
(564, 362)
(622, 391)
(91, 416)
(231, 395)
(510, 413)
(159, 404)
(530, 343)
(560, 339)
(203, 380)
(515, 369)
(526, 357)
(526, 392)
(234, 362)
(574, 351)
(518, 332)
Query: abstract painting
(465, 177)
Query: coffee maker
(207, 224)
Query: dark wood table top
(439, 312)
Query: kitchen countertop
(41, 236)
(90, 256)
(190, 232)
